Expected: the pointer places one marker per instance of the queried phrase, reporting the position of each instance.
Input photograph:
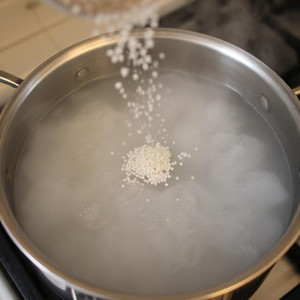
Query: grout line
(33, 34)
(46, 31)
(163, 9)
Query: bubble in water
(92, 214)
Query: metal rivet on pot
(265, 103)
(82, 74)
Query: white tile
(21, 59)
(16, 22)
(5, 2)
(71, 32)
(47, 15)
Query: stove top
(269, 30)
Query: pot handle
(79, 296)
(296, 90)
(10, 79)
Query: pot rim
(33, 254)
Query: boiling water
(229, 207)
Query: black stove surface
(20, 273)
(268, 29)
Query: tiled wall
(32, 31)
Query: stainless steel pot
(71, 69)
